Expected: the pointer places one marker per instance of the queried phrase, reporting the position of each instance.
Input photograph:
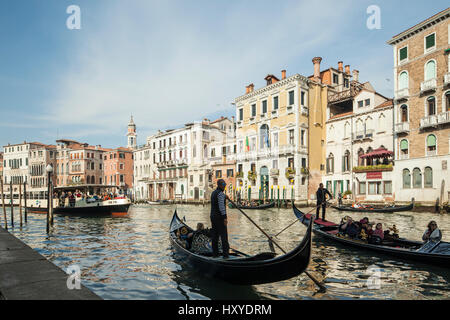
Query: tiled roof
(341, 115)
(385, 104)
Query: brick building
(422, 110)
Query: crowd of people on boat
(363, 230)
(73, 197)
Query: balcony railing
(402, 127)
(447, 78)
(444, 117)
(430, 121)
(428, 85)
(363, 135)
(402, 94)
(383, 167)
(274, 172)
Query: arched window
(346, 162)
(369, 161)
(417, 178)
(406, 179)
(360, 160)
(264, 136)
(428, 179)
(381, 122)
(431, 145)
(403, 80)
(359, 126)
(194, 152)
(430, 70)
(431, 106)
(205, 151)
(404, 113)
(347, 130)
(368, 126)
(330, 163)
(404, 149)
(93, 180)
(88, 181)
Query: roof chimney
(356, 75)
(251, 87)
(347, 69)
(341, 66)
(317, 61)
(283, 74)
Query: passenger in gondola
(432, 233)
(350, 228)
(377, 235)
(219, 220)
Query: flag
(246, 144)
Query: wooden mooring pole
(3, 203)
(25, 196)
(20, 204)
(12, 203)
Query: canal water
(131, 257)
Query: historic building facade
(272, 138)
(422, 110)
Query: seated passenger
(432, 233)
(378, 235)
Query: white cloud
(169, 63)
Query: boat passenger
(350, 228)
(432, 233)
(378, 235)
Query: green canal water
(131, 257)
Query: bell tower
(131, 135)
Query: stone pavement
(27, 275)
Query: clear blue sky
(172, 62)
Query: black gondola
(377, 210)
(436, 254)
(245, 270)
(259, 207)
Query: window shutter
(430, 41)
(403, 53)
(431, 141)
(404, 145)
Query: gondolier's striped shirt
(221, 200)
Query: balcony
(430, 121)
(382, 167)
(402, 127)
(274, 172)
(447, 79)
(304, 110)
(275, 113)
(428, 85)
(444, 117)
(289, 149)
(363, 135)
(402, 94)
(290, 109)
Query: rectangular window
(302, 97)
(253, 110)
(275, 103)
(303, 162)
(264, 106)
(230, 173)
(239, 168)
(218, 174)
(291, 97)
(374, 188)
(367, 103)
(275, 139)
(291, 137)
(241, 114)
(360, 104)
(362, 188)
(275, 164)
(302, 137)
(430, 41)
(388, 187)
(335, 78)
(403, 53)
(291, 163)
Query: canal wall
(27, 275)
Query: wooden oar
(294, 222)
(321, 286)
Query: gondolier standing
(219, 219)
(322, 200)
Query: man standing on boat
(219, 219)
(322, 200)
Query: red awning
(379, 153)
